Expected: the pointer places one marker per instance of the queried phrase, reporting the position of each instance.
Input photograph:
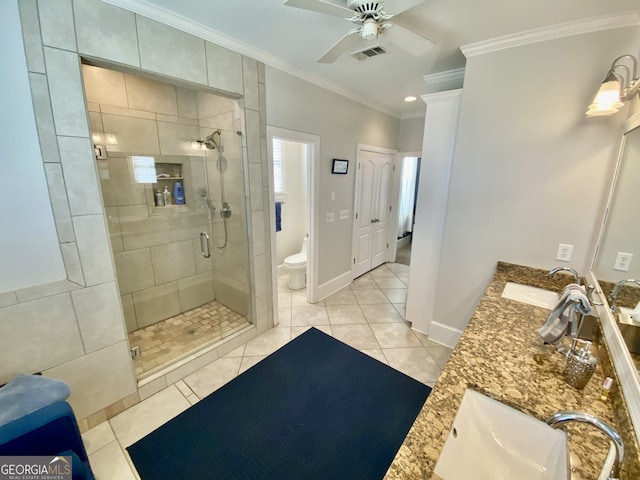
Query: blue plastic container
(178, 193)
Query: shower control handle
(204, 245)
(226, 210)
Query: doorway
(292, 180)
(407, 188)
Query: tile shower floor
(177, 336)
(366, 315)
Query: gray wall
(529, 170)
(410, 134)
(341, 123)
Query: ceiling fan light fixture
(369, 29)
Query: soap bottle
(159, 199)
(178, 193)
(167, 195)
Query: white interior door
(382, 189)
(372, 206)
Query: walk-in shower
(177, 295)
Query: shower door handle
(204, 245)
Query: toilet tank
(304, 245)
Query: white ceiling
(292, 38)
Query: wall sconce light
(616, 88)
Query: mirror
(618, 255)
(618, 258)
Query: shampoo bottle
(178, 193)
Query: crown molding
(441, 96)
(445, 76)
(589, 25)
(172, 19)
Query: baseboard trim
(444, 334)
(333, 285)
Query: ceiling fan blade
(321, 6)
(396, 7)
(412, 42)
(348, 43)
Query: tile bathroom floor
(366, 315)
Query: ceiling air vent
(369, 52)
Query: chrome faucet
(566, 269)
(560, 418)
(613, 297)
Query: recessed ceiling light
(410, 98)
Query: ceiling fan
(372, 22)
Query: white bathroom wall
(295, 209)
(529, 171)
(25, 212)
(341, 123)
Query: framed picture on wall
(340, 166)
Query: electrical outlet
(623, 261)
(331, 217)
(564, 252)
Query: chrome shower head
(210, 141)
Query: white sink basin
(537, 297)
(491, 441)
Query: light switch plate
(344, 214)
(331, 217)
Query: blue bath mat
(314, 409)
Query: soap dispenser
(167, 195)
(580, 364)
(178, 193)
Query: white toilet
(296, 265)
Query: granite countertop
(501, 355)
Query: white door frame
(313, 143)
(362, 147)
(396, 194)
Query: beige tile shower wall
(53, 45)
(156, 251)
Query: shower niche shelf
(168, 171)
